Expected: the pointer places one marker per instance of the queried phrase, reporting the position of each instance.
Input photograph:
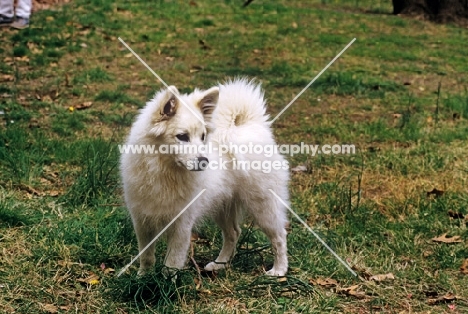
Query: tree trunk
(437, 10)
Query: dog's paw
(169, 273)
(277, 273)
(214, 266)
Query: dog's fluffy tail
(241, 103)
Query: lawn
(69, 91)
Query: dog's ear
(167, 109)
(208, 102)
(170, 105)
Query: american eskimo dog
(158, 185)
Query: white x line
(159, 234)
(315, 234)
(311, 82)
(161, 80)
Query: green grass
(62, 216)
(116, 97)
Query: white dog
(157, 186)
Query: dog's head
(181, 122)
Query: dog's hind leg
(228, 221)
(271, 217)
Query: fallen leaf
(427, 253)
(299, 168)
(169, 58)
(324, 282)
(67, 264)
(84, 105)
(85, 32)
(455, 215)
(54, 193)
(93, 279)
(50, 308)
(382, 277)
(7, 78)
(448, 297)
(352, 291)
(435, 192)
(444, 239)
(29, 189)
(464, 267)
(46, 98)
(23, 59)
(110, 37)
(429, 119)
(362, 271)
(36, 51)
(198, 283)
(195, 68)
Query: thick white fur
(158, 187)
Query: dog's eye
(183, 137)
(203, 137)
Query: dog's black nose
(202, 163)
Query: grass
(399, 94)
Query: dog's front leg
(146, 230)
(178, 243)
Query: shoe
(5, 21)
(20, 23)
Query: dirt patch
(39, 5)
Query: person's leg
(23, 12)
(6, 12)
(23, 9)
